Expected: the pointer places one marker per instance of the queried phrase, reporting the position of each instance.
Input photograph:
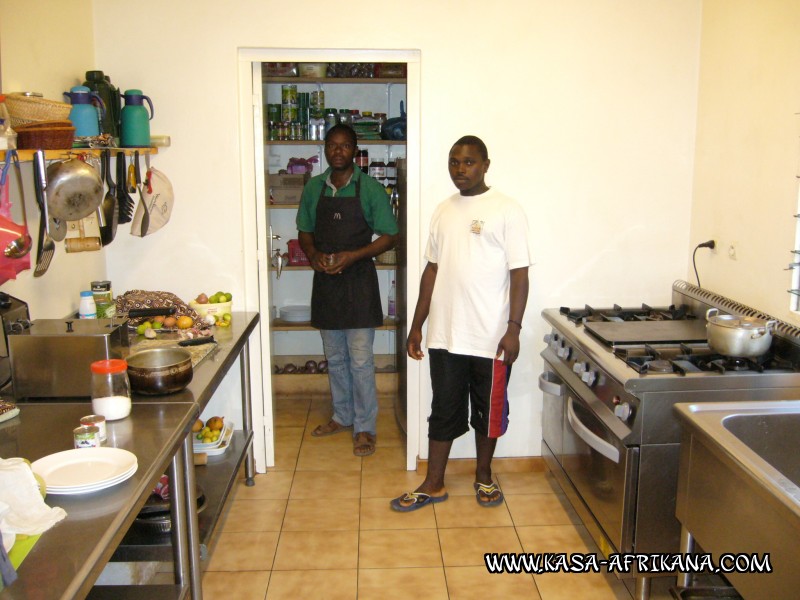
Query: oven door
(602, 469)
(553, 411)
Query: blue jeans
(351, 373)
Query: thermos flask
(83, 113)
(101, 84)
(135, 120)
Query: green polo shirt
(374, 202)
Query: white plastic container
(87, 309)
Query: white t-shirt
(475, 241)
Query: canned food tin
(297, 131)
(101, 291)
(86, 436)
(289, 112)
(273, 112)
(272, 130)
(284, 131)
(318, 100)
(98, 421)
(289, 94)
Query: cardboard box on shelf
(286, 189)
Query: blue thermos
(84, 115)
(135, 120)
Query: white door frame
(257, 274)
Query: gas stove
(611, 379)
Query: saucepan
(738, 337)
(158, 371)
(74, 189)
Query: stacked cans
(298, 116)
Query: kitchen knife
(198, 341)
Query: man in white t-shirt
(473, 293)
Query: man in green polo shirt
(341, 212)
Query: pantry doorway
(261, 223)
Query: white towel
(22, 508)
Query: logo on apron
(476, 227)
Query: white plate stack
(85, 470)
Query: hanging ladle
(21, 245)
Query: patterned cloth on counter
(144, 299)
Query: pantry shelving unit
(292, 339)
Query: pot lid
(735, 322)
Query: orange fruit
(185, 322)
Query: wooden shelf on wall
(27, 155)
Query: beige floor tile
(321, 514)
(389, 432)
(285, 459)
(472, 583)
(464, 511)
(534, 482)
(343, 438)
(254, 515)
(540, 509)
(386, 458)
(244, 551)
(273, 485)
(287, 447)
(569, 586)
(389, 484)
(291, 411)
(555, 538)
(242, 586)
(376, 514)
(325, 457)
(465, 547)
(331, 585)
(333, 485)
(460, 484)
(309, 550)
(399, 548)
(402, 584)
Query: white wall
(588, 110)
(748, 150)
(31, 34)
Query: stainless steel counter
(68, 558)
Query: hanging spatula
(109, 206)
(124, 201)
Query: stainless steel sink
(739, 488)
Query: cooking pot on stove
(739, 337)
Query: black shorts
(467, 390)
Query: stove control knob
(589, 377)
(564, 351)
(623, 411)
(547, 338)
(579, 367)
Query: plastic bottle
(87, 309)
(393, 301)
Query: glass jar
(111, 389)
(345, 117)
(362, 160)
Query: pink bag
(9, 230)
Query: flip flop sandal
(330, 428)
(364, 444)
(487, 491)
(418, 499)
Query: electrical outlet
(733, 247)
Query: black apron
(352, 299)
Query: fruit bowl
(218, 309)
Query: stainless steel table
(190, 534)
(69, 557)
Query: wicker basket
(32, 109)
(47, 135)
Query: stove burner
(731, 363)
(617, 313)
(659, 366)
